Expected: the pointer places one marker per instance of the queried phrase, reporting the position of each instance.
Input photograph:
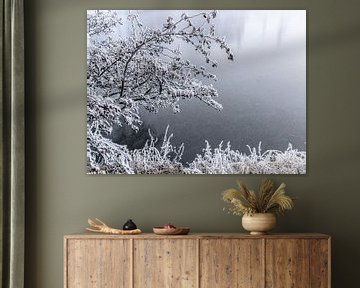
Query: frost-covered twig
(224, 160)
(144, 69)
(108, 157)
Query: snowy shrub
(224, 160)
(153, 160)
(107, 157)
(110, 158)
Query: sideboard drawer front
(165, 263)
(231, 263)
(98, 263)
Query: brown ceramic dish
(171, 231)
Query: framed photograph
(196, 92)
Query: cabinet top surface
(87, 235)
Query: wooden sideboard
(197, 260)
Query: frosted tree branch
(146, 69)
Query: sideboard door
(231, 263)
(287, 263)
(98, 263)
(170, 263)
(320, 263)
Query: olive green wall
(60, 196)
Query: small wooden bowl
(171, 231)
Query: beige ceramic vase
(259, 223)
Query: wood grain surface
(320, 263)
(98, 263)
(89, 235)
(197, 260)
(287, 263)
(165, 263)
(231, 263)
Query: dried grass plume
(267, 200)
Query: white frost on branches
(224, 160)
(142, 70)
(107, 157)
(101, 21)
(118, 159)
(146, 70)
